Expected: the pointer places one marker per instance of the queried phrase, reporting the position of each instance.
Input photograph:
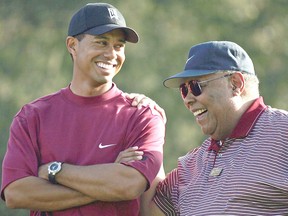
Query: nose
(110, 53)
(189, 100)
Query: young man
(62, 147)
(241, 168)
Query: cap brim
(176, 80)
(131, 35)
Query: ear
(238, 83)
(71, 43)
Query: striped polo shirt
(247, 174)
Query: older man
(241, 168)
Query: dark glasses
(195, 86)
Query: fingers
(129, 155)
(158, 109)
(145, 101)
(140, 100)
(155, 108)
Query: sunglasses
(195, 86)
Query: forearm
(105, 182)
(154, 210)
(148, 207)
(38, 194)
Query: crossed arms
(81, 185)
(78, 185)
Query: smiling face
(97, 59)
(216, 108)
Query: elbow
(10, 204)
(129, 195)
(133, 191)
(117, 194)
(11, 199)
(136, 187)
(132, 194)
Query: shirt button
(220, 155)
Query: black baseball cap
(211, 57)
(100, 18)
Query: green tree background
(34, 60)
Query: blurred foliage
(34, 60)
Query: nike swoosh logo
(105, 146)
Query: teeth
(198, 112)
(106, 66)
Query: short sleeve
(148, 133)
(20, 159)
(167, 193)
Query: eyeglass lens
(194, 87)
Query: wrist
(53, 169)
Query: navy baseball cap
(211, 57)
(100, 18)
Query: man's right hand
(129, 155)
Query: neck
(240, 107)
(86, 90)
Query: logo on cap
(113, 13)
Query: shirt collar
(245, 124)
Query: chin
(205, 132)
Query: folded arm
(38, 194)
(105, 182)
